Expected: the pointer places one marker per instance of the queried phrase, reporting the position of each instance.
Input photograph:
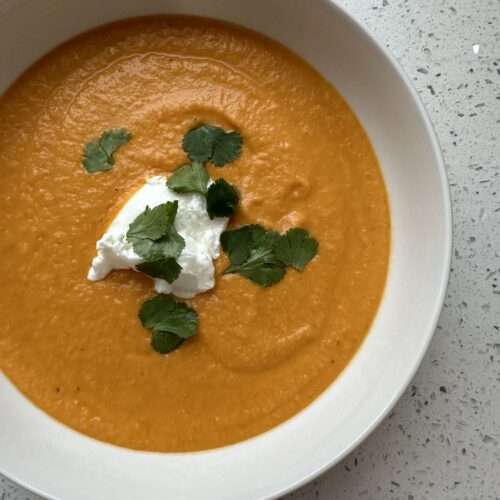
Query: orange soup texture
(76, 348)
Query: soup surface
(76, 348)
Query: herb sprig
(222, 199)
(296, 248)
(189, 179)
(98, 155)
(208, 143)
(171, 322)
(263, 255)
(154, 238)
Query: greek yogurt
(201, 234)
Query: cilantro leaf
(95, 158)
(222, 199)
(257, 246)
(163, 314)
(169, 245)
(165, 342)
(296, 248)
(98, 155)
(199, 142)
(189, 178)
(153, 222)
(112, 139)
(165, 268)
(153, 234)
(237, 243)
(208, 142)
(227, 148)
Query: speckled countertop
(442, 441)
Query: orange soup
(76, 348)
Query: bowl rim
(448, 245)
(427, 333)
(448, 241)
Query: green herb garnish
(98, 155)
(172, 322)
(189, 178)
(153, 235)
(227, 148)
(210, 143)
(296, 248)
(263, 255)
(238, 242)
(164, 314)
(165, 342)
(222, 199)
(166, 268)
(251, 252)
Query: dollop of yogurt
(201, 234)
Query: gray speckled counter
(442, 441)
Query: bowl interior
(380, 95)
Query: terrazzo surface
(442, 440)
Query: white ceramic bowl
(55, 461)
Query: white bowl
(55, 461)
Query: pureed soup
(298, 158)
